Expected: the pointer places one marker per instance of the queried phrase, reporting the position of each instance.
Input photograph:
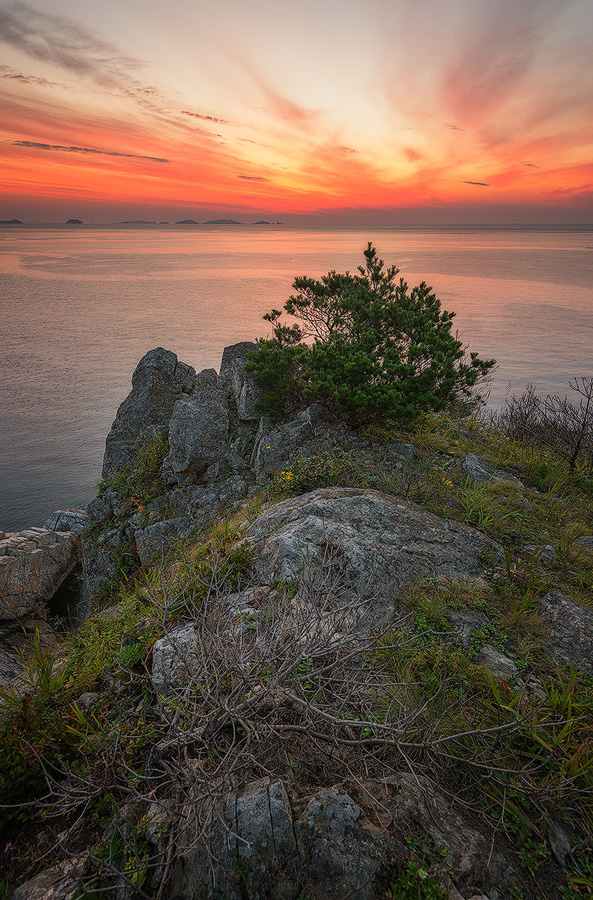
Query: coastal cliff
(319, 662)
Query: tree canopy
(365, 346)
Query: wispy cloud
(37, 145)
(479, 183)
(452, 127)
(194, 115)
(12, 75)
(252, 178)
(63, 42)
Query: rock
(571, 631)
(67, 520)
(341, 851)
(257, 846)
(544, 553)
(497, 663)
(235, 353)
(559, 841)
(102, 557)
(377, 543)
(259, 851)
(158, 381)
(476, 471)
(88, 699)
(103, 508)
(474, 862)
(586, 541)
(245, 391)
(276, 448)
(33, 564)
(232, 491)
(198, 432)
(207, 378)
(62, 882)
(155, 539)
(402, 452)
(11, 665)
(174, 660)
(466, 622)
(250, 847)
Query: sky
(304, 111)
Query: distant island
(74, 222)
(136, 222)
(163, 223)
(11, 222)
(221, 222)
(262, 222)
(209, 222)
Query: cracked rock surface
(33, 564)
(377, 542)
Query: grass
(138, 482)
(519, 754)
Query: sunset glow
(335, 111)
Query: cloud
(252, 178)
(36, 145)
(194, 115)
(479, 183)
(412, 155)
(498, 57)
(13, 75)
(65, 43)
(452, 127)
(531, 165)
(342, 149)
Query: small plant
(476, 505)
(416, 882)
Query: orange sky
(335, 111)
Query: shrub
(553, 422)
(366, 347)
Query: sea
(80, 305)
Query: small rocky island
(319, 662)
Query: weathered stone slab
(33, 564)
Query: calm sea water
(80, 306)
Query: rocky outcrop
(158, 381)
(233, 357)
(263, 843)
(375, 542)
(571, 631)
(33, 564)
(198, 434)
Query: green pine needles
(366, 347)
